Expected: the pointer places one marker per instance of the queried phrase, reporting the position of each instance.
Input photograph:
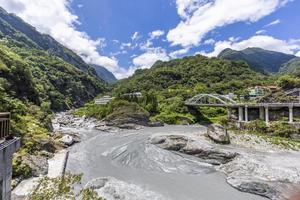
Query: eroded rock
(200, 148)
(218, 134)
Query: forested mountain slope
(258, 59)
(215, 75)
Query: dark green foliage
(293, 66)
(177, 80)
(114, 108)
(288, 81)
(216, 75)
(258, 59)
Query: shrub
(62, 188)
(281, 129)
(257, 126)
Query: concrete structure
(8, 146)
(246, 112)
(104, 100)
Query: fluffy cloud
(147, 59)
(54, 18)
(201, 16)
(273, 23)
(156, 34)
(261, 41)
(176, 54)
(209, 42)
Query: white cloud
(147, 59)
(125, 45)
(273, 23)
(260, 32)
(156, 34)
(135, 36)
(54, 18)
(261, 41)
(176, 54)
(209, 42)
(202, 16)
(298, 54)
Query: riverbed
(125, 165)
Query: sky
(125, 35)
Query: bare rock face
(218, 134)
(271, 190)
(201, 149)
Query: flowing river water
(134, 169)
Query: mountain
(291, 66)
(35, 68)
(258, 59)
(216, 75)
(105, 74)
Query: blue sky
(124, 35)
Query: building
(8, 146)
(256, 92)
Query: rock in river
(200, 148)
(218, 134)
(67, 140)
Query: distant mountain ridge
(105, 74)
(259, 59)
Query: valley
(191, 127)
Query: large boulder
(218, 134)
(67, 140)
(199, 148)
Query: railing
(4, 125)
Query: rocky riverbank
(256, 167)
(250, 163)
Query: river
(139, 170)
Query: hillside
(167, 85)
(291, 66)
(258, 59)
(105, 74)
(55, 74)
(216, 75)
(25, 35)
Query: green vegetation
(177, 80)
(38, 76)
(293, 66)
(278, 133)
(62, 188)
